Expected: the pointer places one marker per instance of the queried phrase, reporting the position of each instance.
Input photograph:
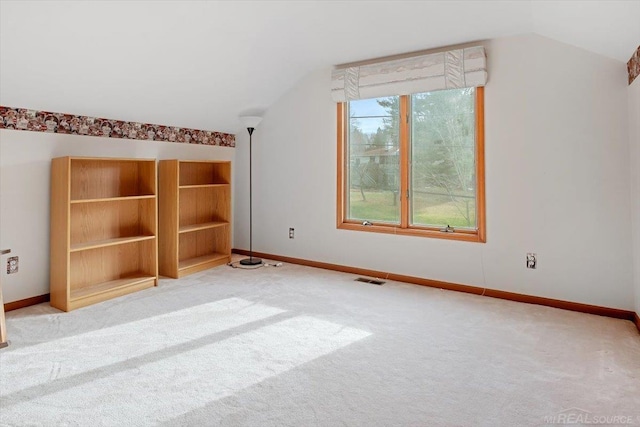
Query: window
(413, 164)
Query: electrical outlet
(12, 265)
(291, 233)
(532, 260)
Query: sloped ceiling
(201, 64)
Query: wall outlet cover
(12, 265)
(532, 260)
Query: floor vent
(372, 281)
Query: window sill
(465, 236)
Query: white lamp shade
(250, 121)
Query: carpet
(298, 346)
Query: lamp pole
(251, 123)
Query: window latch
(447, 229)
(367, 223)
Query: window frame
(405, 228)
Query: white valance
(444, 70)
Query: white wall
(557, 181)
(634, 140)
(25, 159)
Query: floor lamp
(250, 122)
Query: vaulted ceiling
(200, 64)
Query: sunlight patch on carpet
(163, 389)
(26, 367)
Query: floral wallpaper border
(45, 121)
(633, 66)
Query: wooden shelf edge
(108, 242)
(111, 287)
(201, 260)
(113, 199)
(202, 186)
(204, 262)
(213, 162)
(201, 267)
(202, 226)
(111, 159)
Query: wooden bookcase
(195, 216)
(103, 229)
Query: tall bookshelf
(195, 216)
(103, 229)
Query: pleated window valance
(444, 70)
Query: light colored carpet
(296, 346)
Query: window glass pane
(443, 182)
(373, 149)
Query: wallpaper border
(633, 66)
(71, 124)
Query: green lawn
(428, 209)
